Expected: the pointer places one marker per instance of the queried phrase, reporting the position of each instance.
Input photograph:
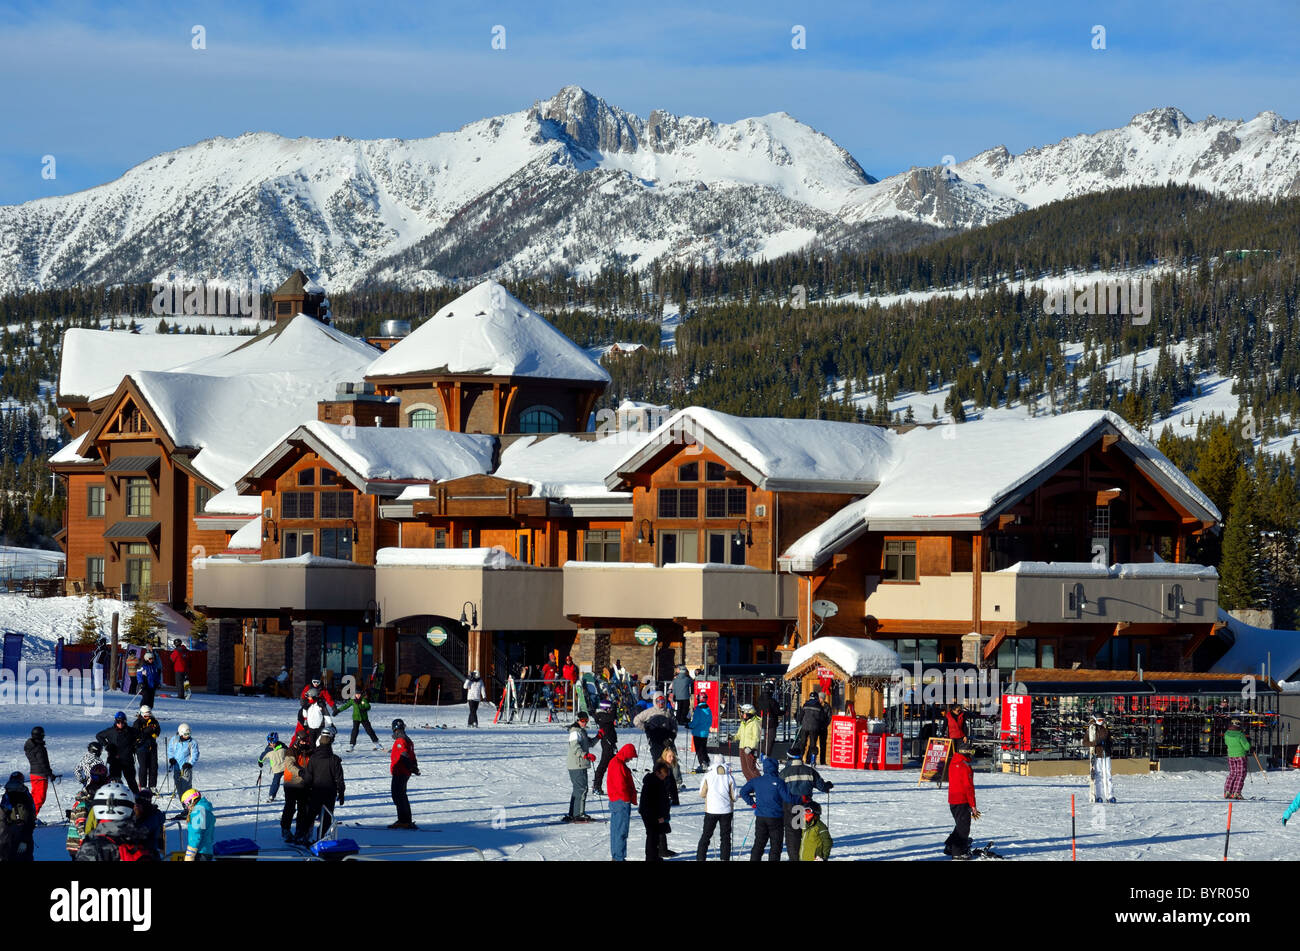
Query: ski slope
(500, 789)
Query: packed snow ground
(502, 788)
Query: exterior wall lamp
(645, 532)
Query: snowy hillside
(576, 183)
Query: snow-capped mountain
(574, 183)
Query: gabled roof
(93, 362)
(810, 455)
(294, 285)
(488, 332)
(961, 477)
(562, 466)
(377, 460)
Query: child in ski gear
(655, 810)
(147, 730)
(182, 754)
(769, 798)
(801, 779)
(578, 760)
(747, 740)
(816, 840)
(360, 718)
(324, 778)
(961, 803)
(202, 827)
(116, 837)
(38, 766)
(17, 820)
(402, 766)
(669, 757)
(272, 759)
(475, 693)
(1099, 749)
(622, 797)
(608, 735)
(320, 693)
(80, 819)
(82, 770)
(718, 790)
(119, 741)
(1238, 747)
(296, 795)
(701, 724)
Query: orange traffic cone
(1295, 760)
(248, 675)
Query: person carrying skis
(88, 759)
(116, 836)
(272, 758)
(961, 803)
(80, 818)
(17, 820)
(769, 798)
(402, 766)
(296, 793)
(683, 689)
(38, 767)
(119, 740)
(325, 787)
(147, 730)
(182, 755)
(816, 841)
(701, 724)
(747, 741)
(802, 780)
(812, 727)
(201, 826)
(578, 760)
(655, 811)
(1099, 749)
(475, 693)
(148, 675)
(181, 666)
(360, 705)
(607, 721)
(718, 790)
(1238, 747)
(622, 797)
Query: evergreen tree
(88, 630)
(143, 624)
(1239, 571)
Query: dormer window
(539, 419)
(424, 419)
(690, 472)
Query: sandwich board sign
(936, 757)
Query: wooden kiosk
(854, 669)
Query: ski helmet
(312, 693)
(183, 730)
(148, 655)
(273, 737)
(16, 779)
(113, 802)
(145, 710)
(315, 682)
(38, 733)
(190, 797)
(94, 747)
(119, 716)
(399, 725)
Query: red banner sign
(1016, 731)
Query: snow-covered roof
(71, 453)
(790, 454)
(960, 476)
(375, 454)
(1255, 648)
(232, 407)
(1068, 569)
(567, 467)
(229, 502)
(248, 538)
(487, 331)
(93, 362)
(448, 557)
(857, 657)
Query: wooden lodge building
(447, 484)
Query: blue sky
(104, 86)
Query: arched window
(539, 419)
(424, 418)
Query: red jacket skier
(619, 784)
(961, 802)
(956, 718)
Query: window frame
(903, 554)
(542, 410)
(91, 490)
(202, 496)
(689, 471)
(134, 498)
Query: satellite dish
(825, 609)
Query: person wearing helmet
(272, 758)
(607, 733)
(296, 796)
(201, 826)
(17, 820)
(80, 819)
(402, 766)
(88, 759)
(148, 675)
(147, 731)
(1099, 749)
(116, 837)
(38, 766)
(320, 694)
(1238, 746)
(324, 778)
(747, 741)
(119, 741)
(961, 803)
(701, 724)
(816, 843)
(475, 693)
(182, 755)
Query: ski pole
(257, 803)
(1074, 855)
(55, 787)
(1229, 833)
(752, 816)
(1260, 765)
